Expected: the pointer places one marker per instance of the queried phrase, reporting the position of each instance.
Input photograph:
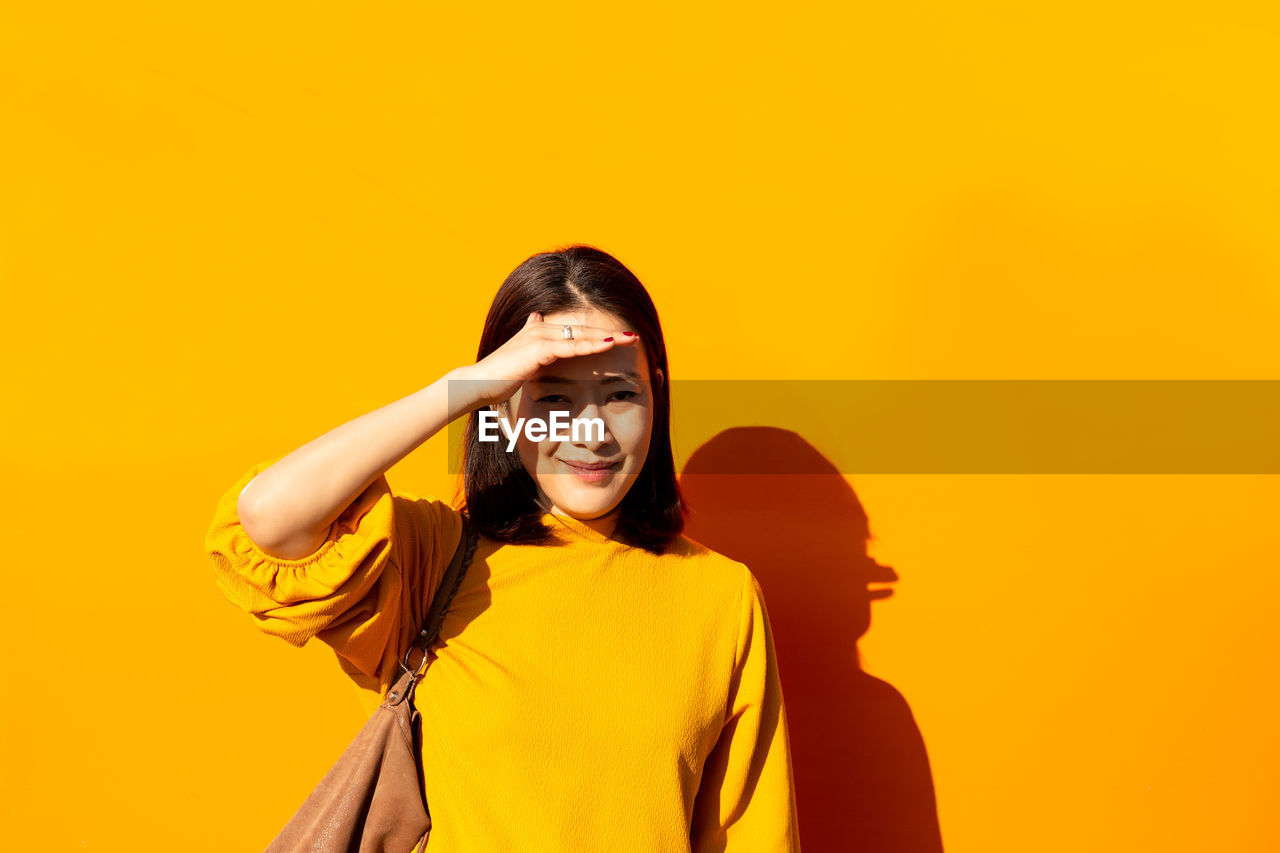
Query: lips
(589, 466)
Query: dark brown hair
(501, 496)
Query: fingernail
(608, 339)
(630, 334)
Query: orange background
(226, 230)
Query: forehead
(586, 317)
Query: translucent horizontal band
(962, 426)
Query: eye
(560, 398)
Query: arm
(289, 508)
(746, 798)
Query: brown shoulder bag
(373, 799)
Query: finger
(580, 346)
(556, 331)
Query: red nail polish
(630, 334)
(608, 339)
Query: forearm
(288, 508)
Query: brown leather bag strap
(444, 595)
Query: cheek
(632, 432)
(531, 453)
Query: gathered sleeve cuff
(364, 591)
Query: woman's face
(612, 386)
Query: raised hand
(500, 374)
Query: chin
(594, 509)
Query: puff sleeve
(365, 590)
(746, 797)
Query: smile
(592, 475)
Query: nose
(587, 435)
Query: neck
(605, 525)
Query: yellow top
(584, 696)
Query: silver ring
(568, 333)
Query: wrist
(461, 389)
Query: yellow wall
(224, 231)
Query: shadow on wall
(862, 774)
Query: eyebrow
(624, 376)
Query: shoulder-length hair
(501, 496)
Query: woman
(601, 681)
